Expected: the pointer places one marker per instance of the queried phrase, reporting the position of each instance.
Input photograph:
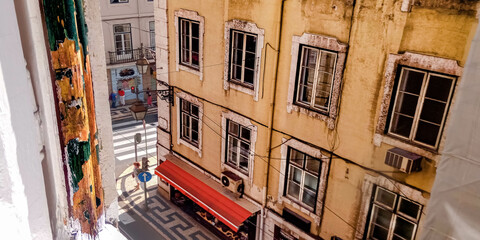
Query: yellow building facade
(330, 114)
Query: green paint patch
(78, 154)
(56, 12)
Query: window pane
(308, 197)
(309, 58)
(195, 44)
(251, 43)
(313, 165)
(244, 149)
(238, 40)
(238, 57)
(243, 163)
(233, 128)
(323, 89)
(385, 197)
(245, 133)
(195, 27)
(195, 58)
(427, 133)
(327, 62)
(296, 157)
(293, 189)
(237, 73)
(411, 81)
(195, 124)
(310, 182)
(438, 88)
(380, 223)
(433, 111)
(232, 150)
(406, 104)
(409, 208)
(401, 125)
(295, 174)
(248, 77)
(250, 60)
(403, 229)
(194, 110)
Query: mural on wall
(67, 41)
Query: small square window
(420, 106)
(243, 57)
(189, 43)
(392, 216)
(302, 178)
(189, 122)
(238, 146)
(315, 77)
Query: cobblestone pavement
(164, 217)
(123, 112)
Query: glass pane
(427, 133)
(310, 182)
(380, 223)
(194, 110)
(251, 43)
(250, 60)
(232, 150)
(327, 62)
(245, 133)
(401, 125)
(310, 58)
(293, 189)
(185, 106)
(306, 94)
(295, 174)
(308, 197)
(233, 128)
(244, 149)
(411, 81)
(433, 111)
(313, 165)
(195, 44)
(409, 208)
(406, 104)
(195, 27)
(248, 77)
(238, 57)
(296, 157)
(237, 74)
(403, 229)
(194, 136)
(238, 40)
(385, 197)
(323, 89)
(195, 58)
(195, 124)
(185, 132)
(243, 163)
(439, 88)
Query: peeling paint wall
(69, 53)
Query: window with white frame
(189, 43)
(122, 35)
(189, 122)
(420, 105)
(392, 216)
(151, 28)
(238, 146)
(302, 175)
(242, 57)
(315, 78)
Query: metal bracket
(166, 94)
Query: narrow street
(163, 220)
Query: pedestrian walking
(149, 98)
(121, 93)
(113, 98)
(136, 171)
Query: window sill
(241, 87)
(235, 170)
(190, 145)
(315, 113)
(190, 69)
(301, 208)
(394, 141)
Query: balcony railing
(125, 56)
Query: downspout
(270, 125)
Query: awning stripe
(223, 208)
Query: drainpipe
(270, 125)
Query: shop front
(126, 77)
(222, 212)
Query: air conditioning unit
(405, 161)
(233, 182)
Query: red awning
(223, 208)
